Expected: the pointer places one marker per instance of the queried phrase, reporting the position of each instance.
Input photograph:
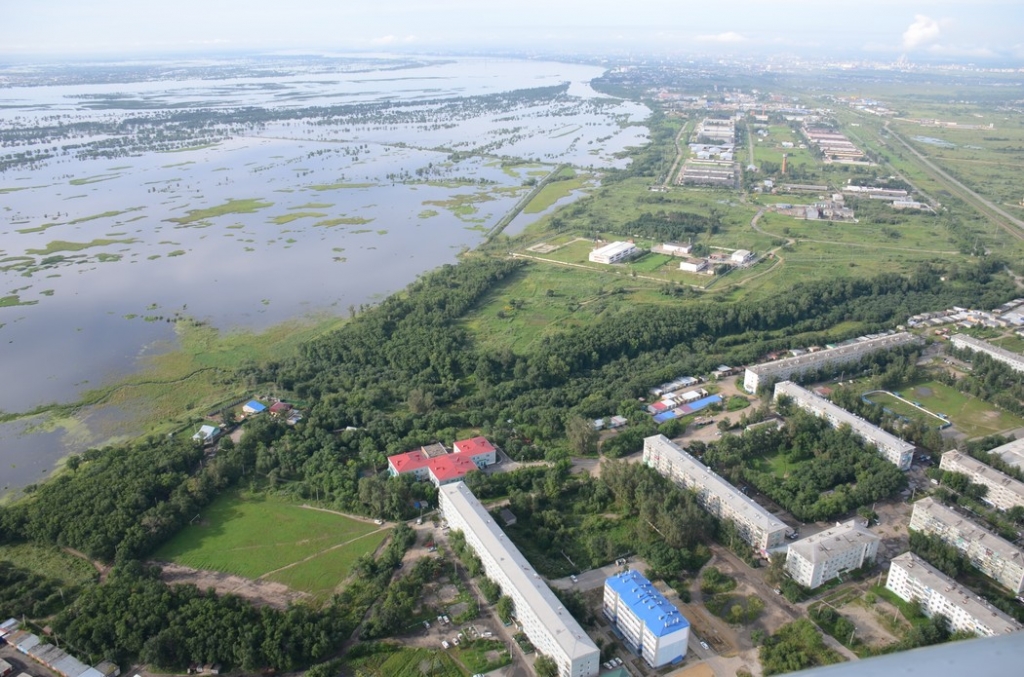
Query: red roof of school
(474, 446)
(409, 461)
(451, 466)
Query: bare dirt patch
(869, 630)
(260, 593)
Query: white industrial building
(994, 556)
(892, 448)
(756, 526)
(965, 342)
(651, 625)
(818, 559)
(911, 578)
(549, 626)
(613, 252)
(693, 266)
(1011, 453)
(1004, 492)
(780, 370)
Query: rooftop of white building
(823, 356)
(820, 547)
(938, 582)
(537, 595)
(860, 426)
(1011, 453)
(659, 615)
(986, 471)
(968, 530)
(738, 502)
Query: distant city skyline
(930, 30)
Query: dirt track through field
(259, 592)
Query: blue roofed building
(650, 624)
(253, 407)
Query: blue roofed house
(253, 407)
(651, 625)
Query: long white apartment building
(650, 624)
(892, 448)
(1004, 492)
(965, 342)
(781, 370)
(818, 559)
(911, 578)
(756, 526)
(1011, 453)
(994, 556)
(549, 626)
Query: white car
(704, 645)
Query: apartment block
(1004, 492)
(650, 624)
(756, 526)
(892, 448)
(818, 559)
(965, 342)
(994, 556)
(911, 578)
(549, 626)
(781, 370)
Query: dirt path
(100, 567)
(259, 592)
(318, 553)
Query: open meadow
(264, 536)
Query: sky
(963, 30)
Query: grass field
(321, 575)
(51, 562)
(408, 663)
(248, 206)
(970, 415)
(254, 535)
(901, 408)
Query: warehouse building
(613, 252)
(549, 626)
(651, 625)
(1004, 492)
(818, 559)
(994, 556)
(794, 367)
(911, 578)
(965, 342)
(892, 448)
(756, 526)
(1011, 453)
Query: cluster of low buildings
(1008, 315)
(53, 657)
(834, 146)
(440, 466)
(833, 209)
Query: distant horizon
(921, 31)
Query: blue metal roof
(255, 406)
(705, 402)
(659, 615)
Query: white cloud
(922, 32)
(728, 37)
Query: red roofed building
(471, 454)
(478, 449)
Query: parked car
(704, 645)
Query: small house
(207, 434)
(253, 407)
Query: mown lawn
(321, 575)
(253, 535)
(970, 415)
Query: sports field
(258, 536)
(905, 408)
(970, 415)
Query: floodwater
(277, 220)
